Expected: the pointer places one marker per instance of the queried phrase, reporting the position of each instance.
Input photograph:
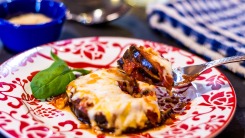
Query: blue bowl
(18, 38)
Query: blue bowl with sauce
(19, 37)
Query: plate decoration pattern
(212, 98)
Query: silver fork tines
(185, 75)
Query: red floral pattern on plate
(213, 99)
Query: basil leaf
(82, 71)
(55, 57)
(53, 80)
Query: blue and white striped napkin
(211, 28)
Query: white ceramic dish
(21, 115)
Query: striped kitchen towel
(211, 28)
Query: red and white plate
(213, 100)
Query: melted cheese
(120, 109)
(162, 61)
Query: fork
(185, 75)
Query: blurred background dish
(29, 30)
(91, 12)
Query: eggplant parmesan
(123, 99)
(102, 100)
(147, 65)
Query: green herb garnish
(53, 80)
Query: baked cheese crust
(97, 99)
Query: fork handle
(224, 61)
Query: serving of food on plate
(110, 87)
